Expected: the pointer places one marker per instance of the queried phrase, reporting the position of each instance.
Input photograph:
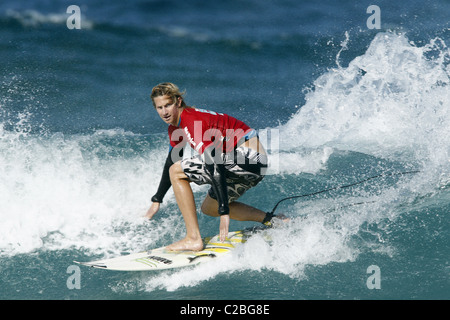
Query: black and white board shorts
(245, 168)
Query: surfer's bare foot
(275, 220)
(186, 245)
(280, 219)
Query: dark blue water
(82, 148)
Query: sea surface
(336, 98)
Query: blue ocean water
(82, 148)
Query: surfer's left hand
(223, 228)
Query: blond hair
(168, 89)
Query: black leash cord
(343, 187)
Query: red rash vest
(201, 128)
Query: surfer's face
(167, 109)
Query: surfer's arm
(165, 184)
(224, 226)
(216, 171)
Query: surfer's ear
(179, 102)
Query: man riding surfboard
(231, 159)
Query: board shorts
(244, 169)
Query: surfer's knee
(176, 171)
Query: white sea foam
(392, 99)
(69, 191)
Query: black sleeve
(221, 188)
(216, 171)
(165, 184)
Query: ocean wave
(34, 19)
(60, 191)
(391, 100)
(284, 41)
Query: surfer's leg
(186, 203)
(242, 212)
(238, 211)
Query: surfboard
(161, 258)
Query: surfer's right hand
(153, 210)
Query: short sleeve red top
(200, 128)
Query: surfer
(231, 159)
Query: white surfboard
(160, 258)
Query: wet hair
(168, 89)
